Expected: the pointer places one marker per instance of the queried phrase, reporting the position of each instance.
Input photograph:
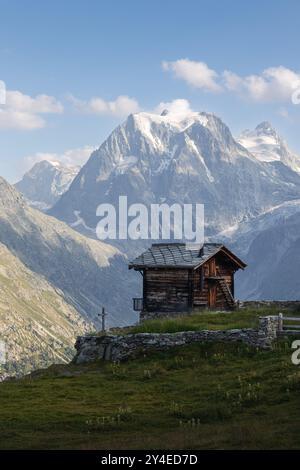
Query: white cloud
(69, 158)
(23, 112)
(232, 81)
(2, 92)
(284, 113)
(197, 74)
(40, 104)
(120, 107)
(178, 109)
(274, 84)
(10, 119)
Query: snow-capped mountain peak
(161, 133)
(45, 182)
(266, 145)
(182, 157)
(265, 128)
(173, 121)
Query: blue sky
(237, 59)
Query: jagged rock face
(269, 244)
(37, 324)
(273, 258)
(45, 183)
(245, 191)
(267, 146)
(90, 274)
(153, 158)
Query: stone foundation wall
(268, 327)
(119, 348)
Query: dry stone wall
(119, 348)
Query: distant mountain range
(153, 158)
(250, 187)
(54, 282)
(269, 244)
(243, 183)
(267, 146)
(45, 182)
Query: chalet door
(212, 295)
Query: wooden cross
(102, 315)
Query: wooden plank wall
(225, 269)
(167, 289)
(201, 287)
(215, 267)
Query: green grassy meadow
(201, 396)
(205, 320)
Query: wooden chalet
(179, 279)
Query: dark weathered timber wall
(226, 270)
(166, 289)
(200, 289)
(215, 267)
(171, 290)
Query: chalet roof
(177, 255)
